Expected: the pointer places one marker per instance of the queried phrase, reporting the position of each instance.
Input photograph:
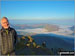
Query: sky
(38, 10)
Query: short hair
(5, 18)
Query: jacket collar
(5, 29)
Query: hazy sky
(38, 10)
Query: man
(8, 38)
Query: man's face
(5, 23)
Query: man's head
(5, 23)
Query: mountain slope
(55, 41)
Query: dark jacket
(7, 41)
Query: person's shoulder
(12, 29)
(1, 30)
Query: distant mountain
(18, 26)
(49, 27)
